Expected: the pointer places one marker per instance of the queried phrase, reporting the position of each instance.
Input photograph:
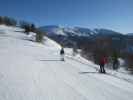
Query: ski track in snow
(32, 71)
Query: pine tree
(26, 26)
(32, 28)
(39, 36)
(1, 20)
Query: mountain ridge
(80, 31)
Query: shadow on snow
(50, 60)
(88, 72)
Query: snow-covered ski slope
(32, 71)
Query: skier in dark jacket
(103, 61)
(115, 61)
(62, 54)
(115, 64)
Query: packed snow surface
(33, 71)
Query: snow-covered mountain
(33, 71)
(77, 31)
(66, 31)
(70, 36)
(106, 32)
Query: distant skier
(103, 61)
(62, 54)
(115, 64)
(115, 61)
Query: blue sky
(111, 14)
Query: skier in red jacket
(103, 61)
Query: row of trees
(8, 21)
(32, 28)
(28, 27)
(96, 49)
